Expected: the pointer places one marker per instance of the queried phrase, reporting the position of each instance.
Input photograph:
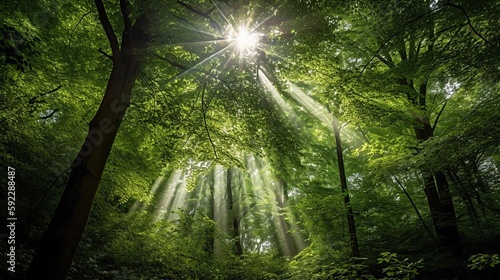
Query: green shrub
(483, 261)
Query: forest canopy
(203, 139)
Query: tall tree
(386, 61)
(63, 235)
(353, 237)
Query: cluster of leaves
(355, 268)
(399, 269)
(483, 261)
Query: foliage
(399, 269)
(483, 261)
(200, 108)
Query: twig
(81, 19)
(468, 20)
(50, 115)
(397, 33)
(204, 109)
(439, 115)
(413, 204)
(185, 20)
(206, 15)
(187, 68)
(105, 54)
(173, 63)
(404, 191)
(33, 100)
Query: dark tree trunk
(53, 258)
(353, 238)
(210, 243)
(233, 214)
(438, 196)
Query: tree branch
(126, 16)
(439, 115)
(413, 204)
(33, 100)
(204, 108)
(108, 28)
(81, 19)
(206, 15)
(187, 68)
(49, 115)
(397, 33)
(173, 63)
(385, 61)
(468, 20)
(404, 191)
(184, 20)
(105, 54)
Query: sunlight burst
(246, 41)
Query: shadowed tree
(53, 258)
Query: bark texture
(60, 241)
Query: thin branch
(413, 204)
(397, 33)
(173, 63)
(449, 42)
(419, 46)
(204, 108)
(206, 15)
(468, 21)
(385, 61)
(403, 189)
(185, 20)
(480, 105)
(81, 19)
(220, 12)
(187, 68)
(33, 100)
(105, 54)
(108, 28)
(439, 115)
(50, 115)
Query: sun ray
(200, 43)
(201, 62)
(167, 196)
(141, 206)
(262, 22)
(274, 94)
(220, 11)
(179, 201)
(316, 109)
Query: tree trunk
(281, 199)
(53, 258)
(353, 238)
(210, 243)
(438, 196)
(233, 214)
